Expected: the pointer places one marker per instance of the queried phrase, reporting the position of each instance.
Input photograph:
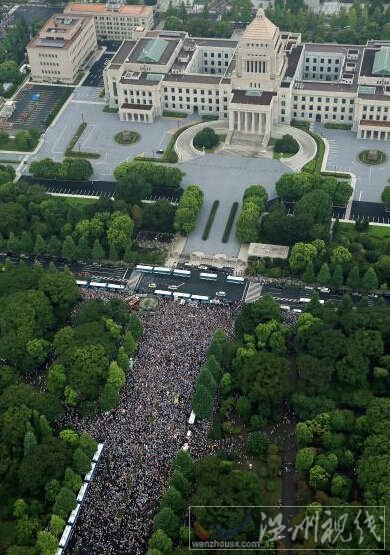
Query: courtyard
(344, 149)
(223, 176)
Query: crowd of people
(142, 436)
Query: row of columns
(374, 134)
(256, 66)
(142, 117)
(253, 123)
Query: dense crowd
(142, 436)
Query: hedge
(69, 152)
(344, 126)
(66, 94)
(210, 220)
(169, 114)
(229, 223)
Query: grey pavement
(86, 105)
(225, 177)
(344, 148)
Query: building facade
(61, 48)
(115, 21)
(268, 77)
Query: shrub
(287, 145)
(206, 138)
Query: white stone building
(114, 20)
(61, 48)
(267, 77)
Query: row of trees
(77, 169)
(32, 221)
(291, 187)
(188, 209)
(23, 140)
(137, 180)
(253, 205)
(355, 25)
(204, 24)
(208, 379)
(92, 356)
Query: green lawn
(377, 231)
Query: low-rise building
(62, 48)
(265, 78)
(115, 21)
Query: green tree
(75, 169)
(116, 375)
(180, 482)
(160, 542)
(257, 443)
(173, 500)
(81, 462)
(20, 508)
(301, 255)
(206, 138)
(97, 252)
(129, 344)
(57, 525)
(69, 248)
(40, 245)
(324, 276)
(202, 402)
(135, 326)
(244, 407)
(184, 463)
(304, 460)
(386, 197)
(337, 277)
(83, 251)
(369, 280)
(353, 279)
(318, 477)
(109, 398)
(56, 380)
(46, 543)
(167, 521)
(340, 255)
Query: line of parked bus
(161, 270)
(68, 530)
(100, 285)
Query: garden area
(127, 137)
(24, 141)
(372, 157)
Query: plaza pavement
(344, 148)
(225, 177)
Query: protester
(142, 436)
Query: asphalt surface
(105, 189)
(81, 270)
(33, 113)
(289, 296)
(95, 75)
(194, 285)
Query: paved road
(95, 75)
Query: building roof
(131, 10)
(153, 51)
(128, 106)
(156, 51)
(293, 58)
(59, 31)
(253, 96)
(124, 50)
(381, 64)
(260, 28)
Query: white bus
(81, 283)
(98, 284)
(98, 452)
(182, 273)
(65, 536)
(142, 268)
(73, 515)
(210, 277)
(202, 298)
(82, 492)
(163, 293)
(178, 295)
(115, 286)
(304, 300)
(235, 279)
(161, 270)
